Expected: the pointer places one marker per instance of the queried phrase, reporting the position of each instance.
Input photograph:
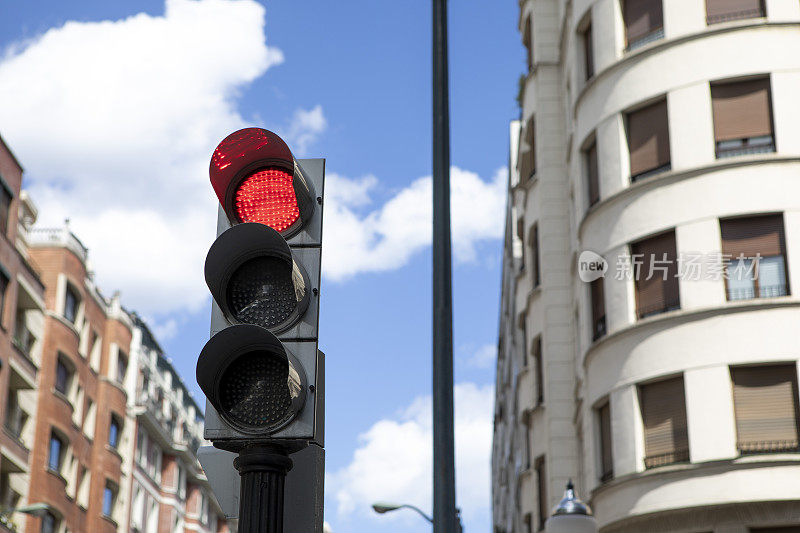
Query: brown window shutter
(663, 407)
(642, 17)
(765, 402)
(606, 457)
(648, 138)
(598, 309)
(753, 236)
(721, 10)
(588, 51)
(537, 350)
(527, 37)
(656, 295)
(592, 176)
(541, 482)
(741, 109)
(535, 254)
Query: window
(16, 417)
(49, 523)
(114, 428)
(535, 255)
(742, 117)
(598, 309)
(588, 52)
(663, 407)
(4, 279)
(644, 22)
(109, 498)
(527, 39)
(787, 529)
(648, 140)
(122, 366)
(63, 376)
(537, 353)
(56, 453)
(606, 457)
(592, 175)
(527, 166)
(5, 208)
(755, 248)
(765, 403)
(541, 483)
(655, 270)
(71, 301)
(725, 10)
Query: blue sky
(113, 108)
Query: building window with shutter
(588, 52)
(598, 309)
(535, 256)
(539, 376)
(606, 457)
(724, 10)
(742, 118)
(5, 207)
(655, 270)
(766, 407)
(644, 22)
(541, 484)
(648, 141)
(527, 39)
(592, 174)
(755, 252)
(663, 408)
(527, 165)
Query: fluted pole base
(263, 471)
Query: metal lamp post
(571, 515)
(383, 507)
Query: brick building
(21, 324)
(99, 432)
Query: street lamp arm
(417, 509)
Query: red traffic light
(257, 179)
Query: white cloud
(115, 122)
(393, 460)
(387, 237)
(483, 357)
(305, 129)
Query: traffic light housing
(261, 370)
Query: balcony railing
(646, 39)
(753, 145)
(677, 456)
(768, 446)
(647, 173)
(764, 291)
(736, 15)
(57, 237)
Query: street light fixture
(571, 515)
(383, 507)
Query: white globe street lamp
(571, 515)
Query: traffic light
(261, 370)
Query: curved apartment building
(664, 137)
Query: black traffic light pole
(263, 470)
(444, 493)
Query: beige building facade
(663, 136)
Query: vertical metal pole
(263, 470)
(444, 492)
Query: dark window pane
(54, 461)
(70, 304)
(62, 377)
(113, 433)
(5, 209)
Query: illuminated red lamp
(257, 179)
